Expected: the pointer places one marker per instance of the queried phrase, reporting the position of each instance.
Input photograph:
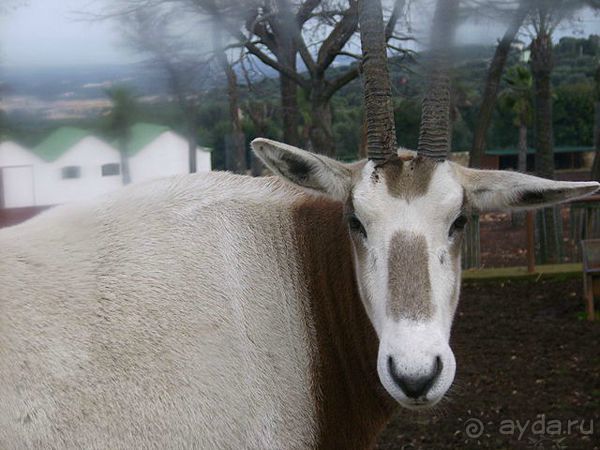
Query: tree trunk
(321, 126)
(379, 111)
(286, 56)
(257, 111)
(541, 68)
(289, 110)
(492, 83)
(192, 155)
(596, 167)
(125, 174)
(595, 175)
(518, 218)
(522, 164)
(434, 134)
(192, 139)
(235, 147)
(238, 145)
(542, 65)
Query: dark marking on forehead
(408, 278)
(407, 179)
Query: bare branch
(338, 37)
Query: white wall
(17, 186)
(17, 175)
(90, 154)
(166, 155)
(12, 154)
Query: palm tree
(518, 97)
(121, 118)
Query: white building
(156, 151)
(71, 165)
(17, 166)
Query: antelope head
(406, 216)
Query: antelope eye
(458, 224)
(356, 226)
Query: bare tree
(154, 31)
(235, 156)
(275, 32)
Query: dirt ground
(526, 360)
(504, 245)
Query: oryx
(222, 311)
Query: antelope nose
(415, 386)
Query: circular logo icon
(474, 428)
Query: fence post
(472, 245)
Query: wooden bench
(590, 249)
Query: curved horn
(379, 110)
(434, 134)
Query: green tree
(573, 113)
(121, 118)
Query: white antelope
(219, 311)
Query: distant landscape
(38, 100)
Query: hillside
(33, 100)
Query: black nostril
(415, 387)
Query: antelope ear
(317, 173)
(489, 190)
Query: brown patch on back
(408, 278)
(352, 404)
(407, 179)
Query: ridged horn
(434, 133)
(379, 110)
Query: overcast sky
(50, 33)
(47, 33)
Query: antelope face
(406, 217)
(406, 221)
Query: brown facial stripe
(407, 179)
(352, 405)
(408, 278)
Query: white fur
(169, 315)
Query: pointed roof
(141, 135)
(58, 142)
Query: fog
(53, 33)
